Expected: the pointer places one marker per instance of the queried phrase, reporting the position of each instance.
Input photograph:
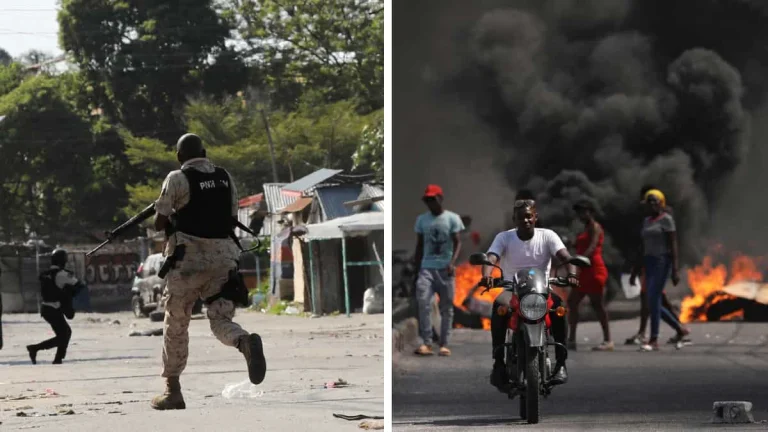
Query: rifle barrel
(139, 218)
(104, 243)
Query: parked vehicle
(148, 289)
(527, 300)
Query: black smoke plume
(577, 99)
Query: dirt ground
(109, 378)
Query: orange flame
(706, 281)
(467, 277)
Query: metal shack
(342, 259)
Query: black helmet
(189, 142)
(59, 257)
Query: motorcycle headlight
(533, 306)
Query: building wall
(109, 274)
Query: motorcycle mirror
(580, 261)
(479, 259)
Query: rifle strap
(244, 228)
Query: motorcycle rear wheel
(533, 380)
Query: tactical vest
(48, 289)
(209, 211)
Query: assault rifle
(149, 211)
(145, 214)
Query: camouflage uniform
(201, 273)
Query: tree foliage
(84, 149)
(144, 59)
(309, 138)
(5, 58)
(335, 46)
(369, 156)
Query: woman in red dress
(592, 279)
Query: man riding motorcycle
(520, 248)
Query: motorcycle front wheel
(520, 371)
(533, 380)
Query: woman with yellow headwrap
(669, 314)
(660, 258)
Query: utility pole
(271, 145)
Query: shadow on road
(83, 360)
(468, 422)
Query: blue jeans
(657, 270)
(429, 283)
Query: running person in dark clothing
(57, 286)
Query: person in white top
(527, 247)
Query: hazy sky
(29, 24)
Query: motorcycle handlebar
(501, 283)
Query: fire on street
(624, 390)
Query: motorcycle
(527, 300)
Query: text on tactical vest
(211, 184)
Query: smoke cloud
(579, 99)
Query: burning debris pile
(468, 298)
(721, 293)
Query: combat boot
(253, 351)
(172, 398)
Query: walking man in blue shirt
(437, 249)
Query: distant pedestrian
(592, 280)
(659, 252)
(57, 288)
(437, 249)
(668, 312)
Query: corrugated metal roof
(309, 181)
(332, 199)
(276, 200)
(356, 224)
(373, 191)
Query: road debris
(241, 390)
(340, 383)
(152, 332)
(732, 412)
(357, 417)
(372, 424)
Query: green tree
(5, 58)
(10, 77)
(45, 167)
(369, 156)
(312, 137)
(335, 47)
(142, 60)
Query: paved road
(617, 391)
(109, 378)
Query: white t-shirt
(515, 254)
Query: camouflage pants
(183, 290)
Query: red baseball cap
(433, 191)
